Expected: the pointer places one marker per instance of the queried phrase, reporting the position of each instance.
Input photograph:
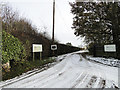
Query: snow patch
(107, 61)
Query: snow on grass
(106, 61)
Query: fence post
(33, 56)
(40, 55)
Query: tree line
(22, 28)
(98, 22)
(18, 35)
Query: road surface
(74, 71)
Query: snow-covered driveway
(73, 71)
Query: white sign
(37, 47)
(110, 48)
(53, 47)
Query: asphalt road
(74, 71)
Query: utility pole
(53, 21)
(53, 24)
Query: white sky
(41, 15)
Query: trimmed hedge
(12, 48)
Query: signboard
(110, 48)
(53, 47)
(37, 47)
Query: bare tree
(9, 17)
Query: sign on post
(53, 47)
(37, 48)
(110, 48)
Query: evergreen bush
(12, 48)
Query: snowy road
(73, 71)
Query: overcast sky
(40, 12)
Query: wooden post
(53, 24)
(53, 21)
(33, 56)
(40, 55)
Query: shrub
(12, 48)
(91, 48)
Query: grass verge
(22, 67)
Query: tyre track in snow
(72, 72)
(35, 79)
(99, 81)
(28, 75)
(59, 76)
(49, 77)
(12, 81)
(94, 81)
(40, 79)
(81, 79)
(63, 73)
